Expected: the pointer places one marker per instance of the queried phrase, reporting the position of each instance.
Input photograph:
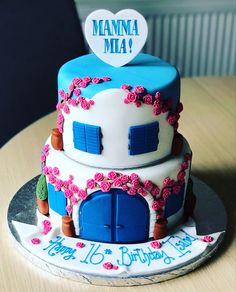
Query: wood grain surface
(209, 124)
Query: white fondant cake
(116, 170)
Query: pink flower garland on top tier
(140, 96)
(74, 88)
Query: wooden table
(209, 124)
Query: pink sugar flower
(158, 103)
(132, 97)
(66, 96)
(161, 203)
(96, 80)
(45, 170)
(133, 176)
(68, 193)
(117, 182)
(207, 238)
(125, 86)
(155, 191)
(71, 177)
(74, 188)
(85, 105)
(139, 89)
(107, 266)
(60, 118)
(135, 183)
(46, 147)
(69, 101)
(105, 186)
(138, 103)
(80, 244)
(82, 194)
(98, 176)
(156, 244)
(66, 184)
(71, 87)
(112, 175)
(87, 79)
(77, 91)
(171, 119)
(148, 184)
(132, 191)
(91, 184)
(57, 187)
(76, 81)
(124, 178)
(49, 169)
(73, 102)
(126, 101)
(59, 106)
(157, 95)
(147, 99)
(106, 78)
(142, 192)
(115, 268)
(166, 193)
(83, 84)
(73, 200)
(176, 189)
(155, 205)
(184, 165)
(43, 157)
(46, 223)
(91, 102)
(168, 182)
(179, 107)
(35, 240)
(55, 170)
(181, 175)
(46, 229)
(156, 111)
(61, 93)
(69, 209)
(66, 109)
(52, 179)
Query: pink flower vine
(132, 184)
(140, 96)
(110, 266)
(74, 88)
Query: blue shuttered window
(87, 138)
(57, 200)
(143, 138)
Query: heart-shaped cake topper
(116, 38)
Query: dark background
(36, 38)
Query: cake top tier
(148, 71)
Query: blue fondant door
(57, 200)
(114, 217)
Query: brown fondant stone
(160, 228)
(177, 144)
(56, 139)
(43, 206)
(68, 227)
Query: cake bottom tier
(120, 206)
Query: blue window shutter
(174, 202)
(143, 138)
(79, 136)
(57, 200)
(87, 138)
(93, 139)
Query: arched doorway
(114, 216)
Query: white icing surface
(115, 117)
(179, 248)
(156, 173)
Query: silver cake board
(209, 219)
